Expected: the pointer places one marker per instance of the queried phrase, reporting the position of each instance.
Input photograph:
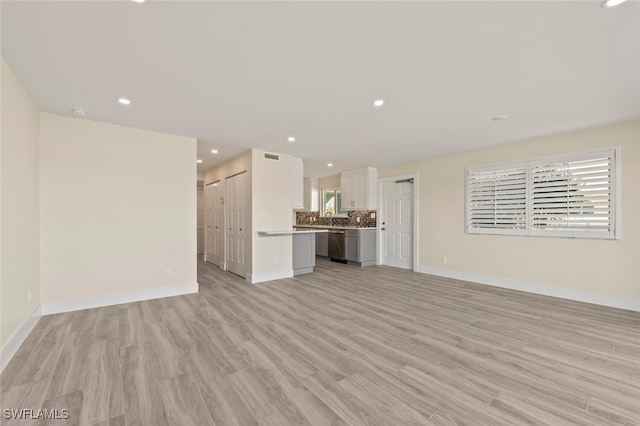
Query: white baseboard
(254, 279)
(629, 303)
(69, 305)
(13, 344)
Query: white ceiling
(240, 74)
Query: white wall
(19, 211)
(272, 200)
(329, 182)
(609, 268)
(118, 208)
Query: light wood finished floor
(343, 345)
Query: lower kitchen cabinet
(304, 253)
(322, 244)
(351, 251)
(360, 246)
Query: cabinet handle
(382, 229)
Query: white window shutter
(497, 199)
(574, 196)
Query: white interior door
(236, 231)
(397, 224)
(214, 223)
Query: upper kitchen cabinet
(297, 181)
(359, 189)
(311, 194)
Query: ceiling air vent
(272, 156)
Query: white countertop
(333, 227)
(292, 231)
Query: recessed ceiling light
(612, 3)
(199, 160)
(214, 151)
(329, 164)
(138, 1)
(79, 112)
(500, 117)
(124, 101)
(291, 139)
(378, 102)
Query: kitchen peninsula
(304, 247)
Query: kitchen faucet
(330, 214)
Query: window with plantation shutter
(497, 199)
(570, 195)
(574, 195)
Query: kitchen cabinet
(297, 182)
(311, 194)
(360, 246)
(322, 245)
(359, 189)
(304, 252)
(351, 239)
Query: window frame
(323, 212)
(614, 216)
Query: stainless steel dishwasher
(336, 245)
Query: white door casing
(396, 223)
(200, 222)
(236, 231)
(214, 224)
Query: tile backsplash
(313, 218)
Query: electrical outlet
(167, 273)
(444, 259)
(373, 215)
(358, 219)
